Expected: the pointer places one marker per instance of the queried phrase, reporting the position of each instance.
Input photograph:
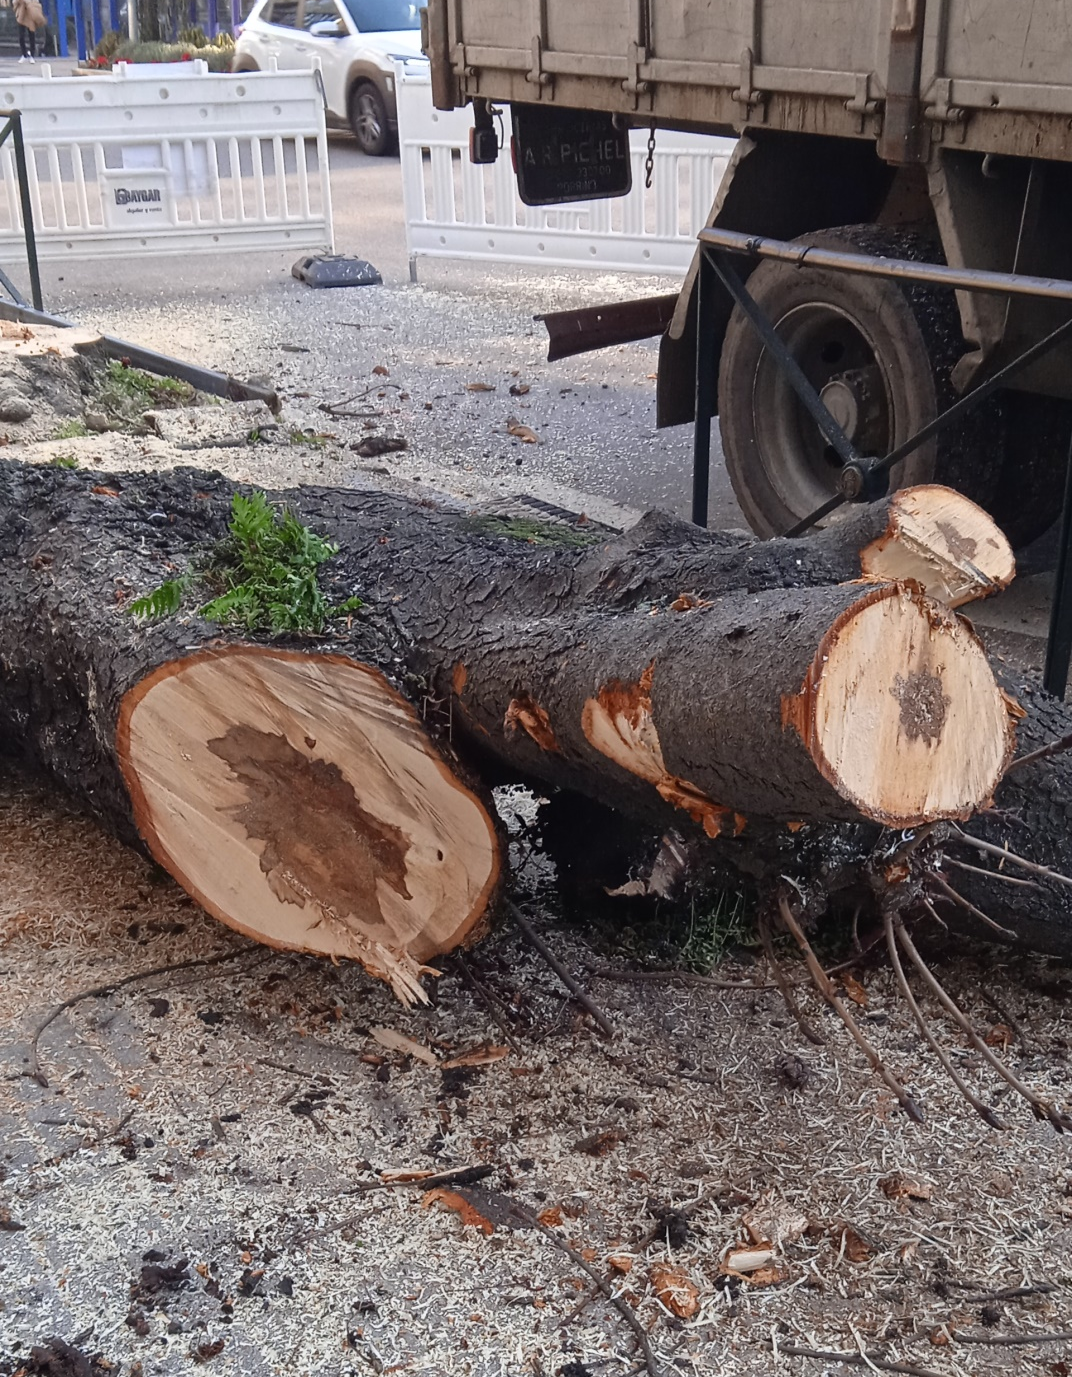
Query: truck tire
(880, 353)
(368, 120)
(1030, 488)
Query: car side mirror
(328, 28)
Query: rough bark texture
(707, 709)
(595, 669)
(1032, 817)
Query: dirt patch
(227, 1141)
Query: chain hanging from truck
(649, 161)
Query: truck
(933, 131)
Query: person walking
(30, 17)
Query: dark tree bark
(716, 694)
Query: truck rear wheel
(879, 354)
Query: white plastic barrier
(168, 163)
(457, 210)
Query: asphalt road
(463, 323)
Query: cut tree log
(310, 791)
(929, 535)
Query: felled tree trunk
(307, 792)
(291, 788)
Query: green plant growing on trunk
(264, 574)
(74, 429)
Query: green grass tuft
(717, 923)
(533, 532)
(164, 601)
(264, 574)
(74, 429)
(64, 461)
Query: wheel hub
(854, 399)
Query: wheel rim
(843, 364)
(368, 126)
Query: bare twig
(458, 1176)
(337, 409)
(1002, 1012)
(959, 899)
(828, 992)
(100, 991)
(1040, 1288)
(859, 1359)
(1006, 855)
(675, 977)
(579, 993)
(862, 948)
(486, 998)
(1011, 1340)
(1039, 1107)
(763, 928)
(984, 1111)
(622, 1307)
(1063, 743)
(991, 874)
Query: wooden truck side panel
(995, 77)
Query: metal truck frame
(929, 130)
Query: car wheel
(245, 64)
(368, 120)
(879, 354)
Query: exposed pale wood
(901, 713)
(298, 799)
(941, 540)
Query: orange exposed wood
(525, 713)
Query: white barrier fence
(167, 163)
(457, 210)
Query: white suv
(357, 41)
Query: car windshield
(384, 16)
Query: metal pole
(794, 374)
(15, 119)
(899, 269)
(1059, 645)
(132, 20)
(80, 29)
(706, 401)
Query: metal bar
(706, 366)
(1059, 644)
(113, 14)
(598, 327)
(62, 13)
(80, 28)
(206, 379)
(794, 374)
(9, 287)
(903, 270)
(955, 412)
(15, 120)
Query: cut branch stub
(299, 800)
(941, 540)
(900, 711)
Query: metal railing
(13, 130)
(865, 478)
